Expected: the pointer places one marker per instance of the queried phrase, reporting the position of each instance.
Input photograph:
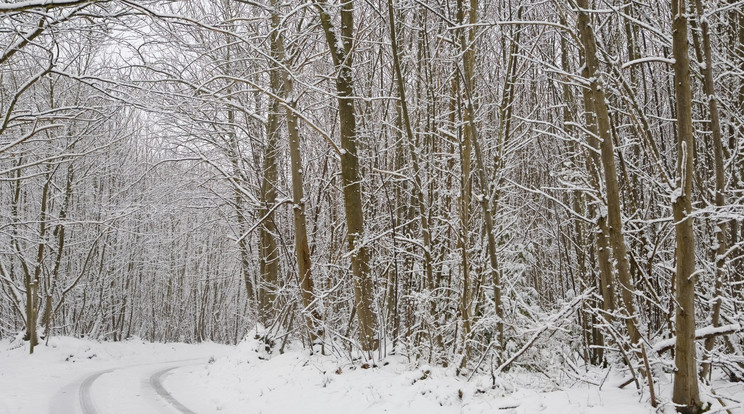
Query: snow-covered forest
(485, 187)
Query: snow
(676, 194)
(211, 378)
(296, 381)
(699, 333)
(46, 381)
(11, 7)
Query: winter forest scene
(371, 206)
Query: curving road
(127, 389)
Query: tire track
(86, 400)
(156, 382)
(85, 395)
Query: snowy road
(127, 389)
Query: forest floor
(80, 376)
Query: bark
(418, 185)
(15, 241)
(472, 136)
(465, 152)
(32, 281)
(597, 351)
(245, 257)
(411, 140)
(714, 127)
(614, 214)
(59, 231)
(685, 394)
(602, 233)
(735, 134)
(302, 249)
(269, 251)
(238, 180)
(342, 61)
(506, 107)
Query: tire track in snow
(85, 404)
(86, 400)
(156, 382)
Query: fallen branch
(724, 407)
(702, 333)
(558, 317)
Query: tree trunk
(269, 264)
(685, 394)
(592, 165)
(472, 136)
(602, 233)
(363, 283)
(417, 182)
(614, 215)
(714, 128)
(302, 250)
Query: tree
(283, 88)
(714, 128)
(340, 47)
(686, 393)
(598, 106)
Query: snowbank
(246, 382)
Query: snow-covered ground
(49, 380)
(210, 378)
(299, 382)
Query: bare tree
(340, 47)
(686, 393)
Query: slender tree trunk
(602, 233)
(737, 237)
(471, 135)
(418, 185)
(32, 285)
(417, 182)
(15, 241)
(238, 181)
(350, 177)
(614, 215)
(59, 231)
(506, 108)
(269, 265)
(302, 249)
(465, 148)
(245, 257)
(714, 128)
(685, 394)
(606, 288)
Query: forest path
(125, 389)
